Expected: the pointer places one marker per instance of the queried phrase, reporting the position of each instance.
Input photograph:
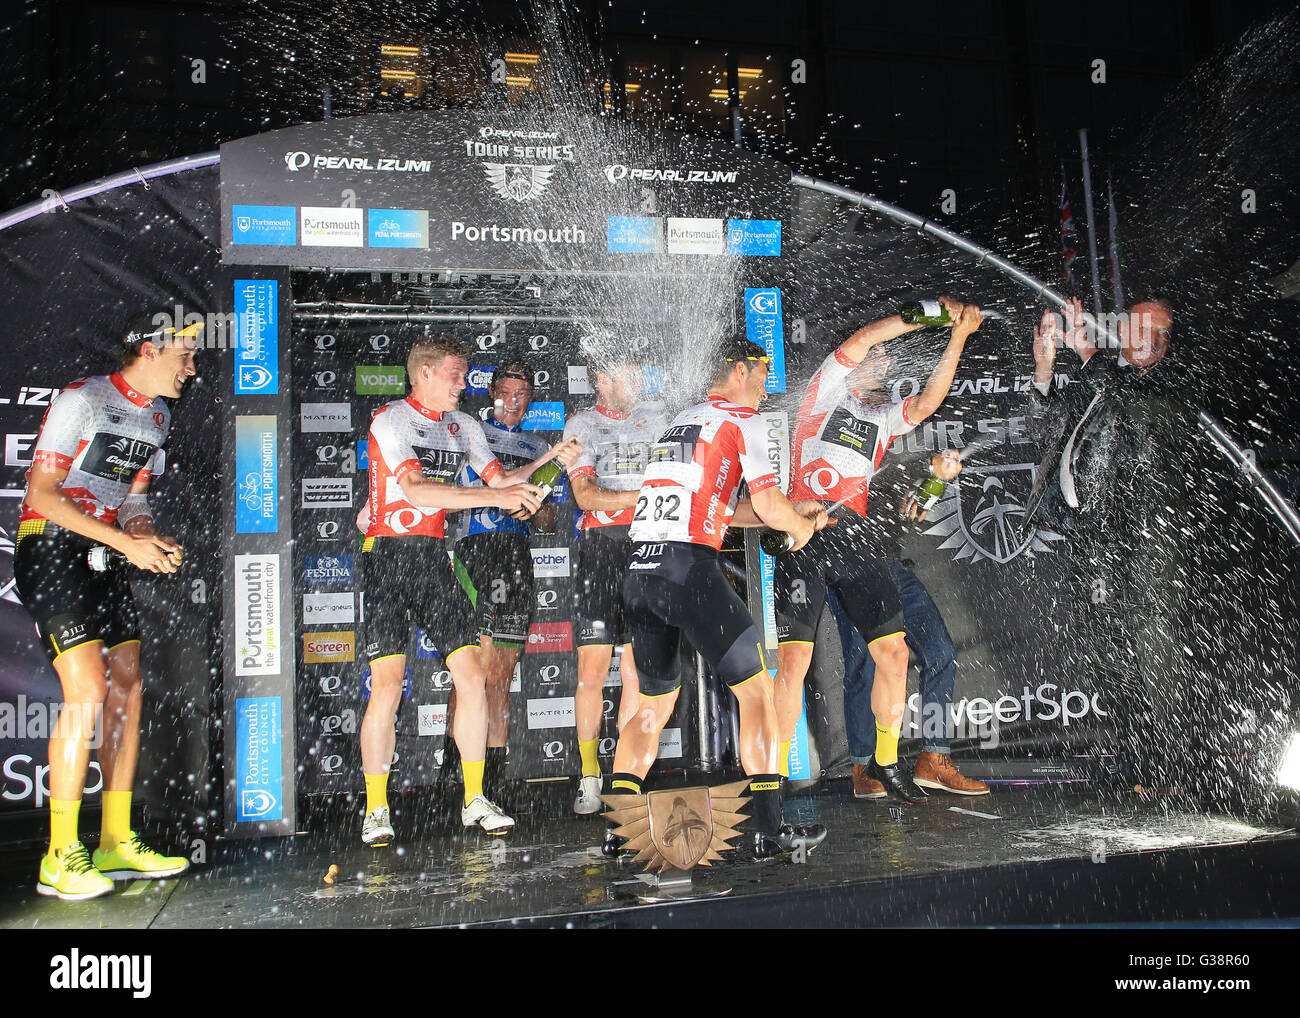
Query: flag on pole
(1069, 238)
(1112, 249)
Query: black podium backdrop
(73, 278)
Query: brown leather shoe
(865, 787)
(936, 770)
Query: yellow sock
(887, 745)
(376, 792)
(473, 774)
(590, 763)
(115, 823)
(63, 822)
(783, 761)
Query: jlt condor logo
(980, 514)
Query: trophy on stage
(677, 829)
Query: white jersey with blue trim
(514, 448)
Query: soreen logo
(324, 648)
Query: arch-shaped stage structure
(331, 243)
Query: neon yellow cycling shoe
(132, 859)
(68, 874)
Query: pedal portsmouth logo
(980, 514)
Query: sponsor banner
(695, 236)
(670, 744)
(329, 647)
(767, 579)
(633, 234)
(327, 492)
(399, 228)
(549, 563)
(551, 712)
(477, 379)
(579, 382)
(544, 417)
(329, 530)
(257, 353)
(431, 719)
(325, 378)
(263, 224)
(652, 380)
(259, 787)
(424, 646)
(257, 626)
(363, 455)
(381, 380)
(329, 609)
(496, 233)
(331, 227)
(257, 480)
(754, 237)
(408, 685)
(776, 426)
(763, 326)
(674, 175)
(326, 417)
(550, 638)
(551, 676)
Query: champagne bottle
(924, 312)
(103, 559)
(775, 542)
(546, 477)
(928, 492)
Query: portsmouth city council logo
(981, 512)
(518, 181)
(678, 828)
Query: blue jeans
(928, 639)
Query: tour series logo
(687, 827)
(979, 515)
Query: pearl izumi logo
(518, 181)
(257, 615)
(979, 515)
(77, 971)
(617, 171)
(296, 161)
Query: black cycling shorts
(674, 590)
(500, 566)
(71, 603)
(409, 581)
(602, 556)
(836, 558)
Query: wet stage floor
(1036, 855)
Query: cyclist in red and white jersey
(97, 450)
(845, 424)
(418, 446)
(616, 436)
(675, 586)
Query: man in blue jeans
(928, 640)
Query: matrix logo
(316, 417)
(551, 712)
(381, 380)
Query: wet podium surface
(1024, 855)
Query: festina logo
(75, 971)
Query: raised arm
(966, 319)
(856, 346)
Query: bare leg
(792, 661)
(890, 689)
(500, 665)
(470, 725)
(631, 694)
(758, 727)
(378, 731)
(83, 672)
(120, 752)
(588, 701)
(638, 742)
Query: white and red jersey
(106, 436)
(615, 449)
(839, 440)
(692, 481)
(406, 436)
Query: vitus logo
(538, 343)
(332, 764)
(553, 750)
(380, 342)
(325, 344)
(324, 379)
(330, 685)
